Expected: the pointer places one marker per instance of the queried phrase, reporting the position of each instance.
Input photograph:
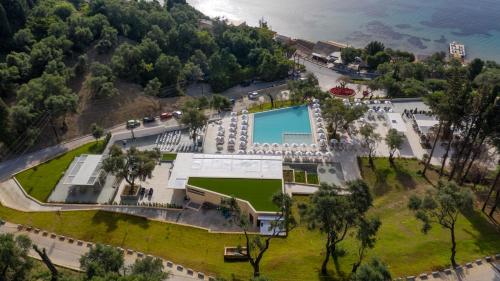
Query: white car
(253, 95)
(177, 114)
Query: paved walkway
(66, 252)
(13, 196)
(479, 270)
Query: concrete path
(66, 252)
(480, 270)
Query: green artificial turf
(258, 192)
(40, 180)
(168, 156)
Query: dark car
(232, 101)
(142, 191)
(148, 119)
(150, 192)
(246, 83)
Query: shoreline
(420, 40)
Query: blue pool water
(290, 125)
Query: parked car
(142, 191)
(133, 124)
(232, 101)
(166, 115)
(150, 192)
(177, 114)
(246, 83)
(253, 95)
(148, 119)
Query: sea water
(420, 26)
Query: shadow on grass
(111, 220)
(381, 187)
(404, 177)
(486, 237)
(97, 147)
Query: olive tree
(370, 140)
(394, 140)
(14, 261)
(131, 165)
(256, 245)
(442, 206)
(335, 214)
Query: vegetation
(443, 208)
(400, 242)
(268, 106)
(259, 192)
(370, 140)
(97, 131)
(131, 165)
(336, 215)
(300, 176)
(256, 246)
(373, 271)
(168, 156)
(193, 117)
(107, 263)
(394, 140)
(40, 180)
(162, 48)
(15, 263)
(339, 115)
(312, 178)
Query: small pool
(288, 125)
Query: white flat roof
(224, 166)
(396, 122)
(84, 170)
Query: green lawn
(40, 180)
(168, 156)
(258, 192)
(400, 242)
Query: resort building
(85, 170)
(251, 179)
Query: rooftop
(188, 165)
(84, 170)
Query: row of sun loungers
(168, 141)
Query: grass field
(258, 192)
(400, 242)
(168, 156)
(40, 180)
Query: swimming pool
(288, 125)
